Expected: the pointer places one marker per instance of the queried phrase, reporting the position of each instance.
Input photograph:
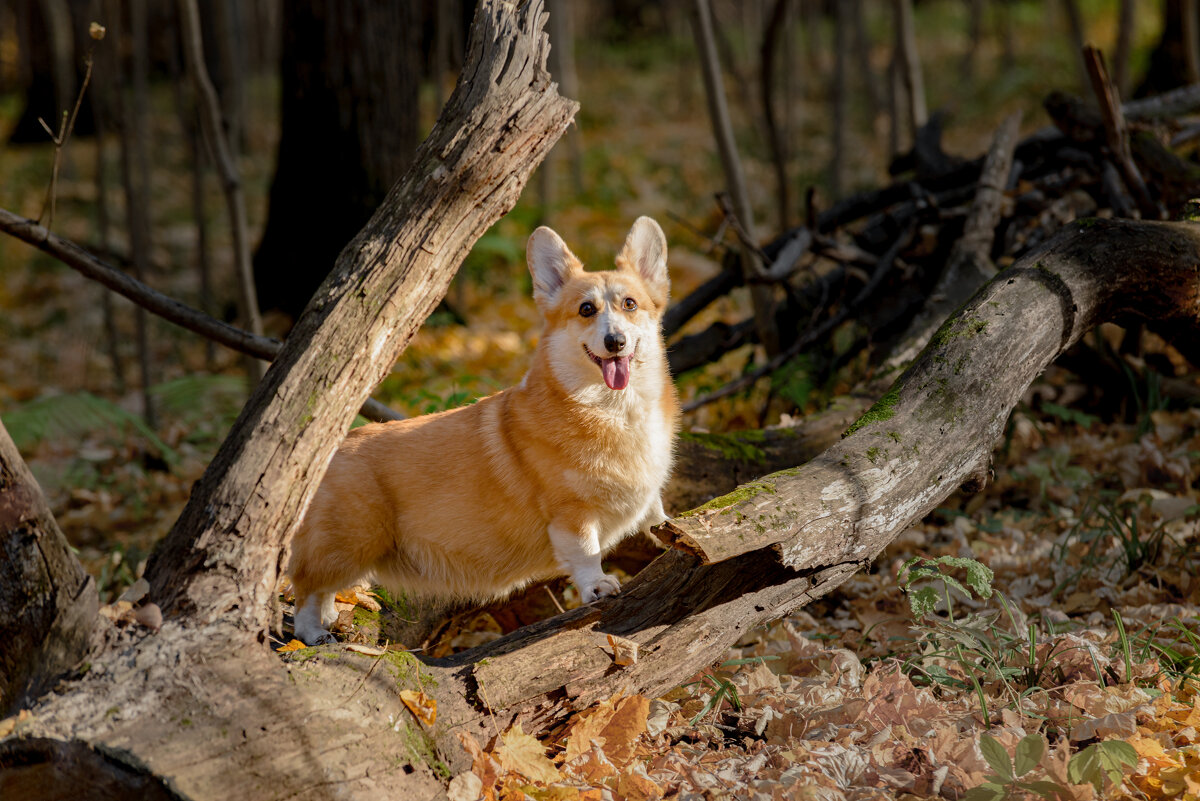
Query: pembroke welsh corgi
(535, 481)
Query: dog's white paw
(312, 618)
(599, 587)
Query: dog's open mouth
(615, 370)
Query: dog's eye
(630, 304)
(587, 309)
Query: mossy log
(936, 427)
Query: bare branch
(154, 301)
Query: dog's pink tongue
(616, 372)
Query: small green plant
(723, 689)
(1016, 778)
(1011, 778)
(920, 576)
(76, 415)
(1098, 761)
(1072, 416)
(794, 380)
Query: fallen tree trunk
(935, 428)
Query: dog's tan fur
(535, 481)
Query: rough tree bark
(47, 602)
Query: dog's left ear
(645, 252)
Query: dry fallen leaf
(521, 753)
(465, 787)
(293, 645)
(615, 725)
(625, 652)
(482, 764)
(421, 705)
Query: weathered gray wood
(47, 602)
(936, 427)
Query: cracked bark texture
(47, 602)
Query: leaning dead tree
(200, 707)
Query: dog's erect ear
(550, 263)
(645, 252)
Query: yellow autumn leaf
(521, 753)
(293, 645)
(421, 705)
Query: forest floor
(1072, 643)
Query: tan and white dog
(535, 481)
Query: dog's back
(531, 482)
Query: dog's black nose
(614, 342)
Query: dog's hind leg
(313, 618)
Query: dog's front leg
(578, 553)
(654, 515)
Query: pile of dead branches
(918, 247)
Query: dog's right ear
(550, 263)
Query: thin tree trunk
(735, 179)
(838, 100)
(224, 158)
(1190, 15)
(200, 216)
(102, 106)
(862, 49)
(908, 58)
(562, 67)
(135, 176)
(975, 9)
(231, 55)
(1008, 40)
(1078, 37)
(776, 32)
(1125, 29)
